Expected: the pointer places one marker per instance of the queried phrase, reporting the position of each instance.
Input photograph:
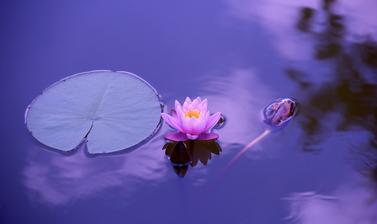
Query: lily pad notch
(109, 111)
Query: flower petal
(179, 112)
(177, 105)
(192, 137)
(173, 113)
(186, 104)
(212, 120)
(175, 136)
(186, 107)
(188, 100)
(198, 125)
(208, 136)
(172, 121)
(203, 106)
(196, 102)
(186, 124)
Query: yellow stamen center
(192, 113)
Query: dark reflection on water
(352, 87)
(348, 102)
(183, 154)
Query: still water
(241, 55)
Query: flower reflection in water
(184, 153)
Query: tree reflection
(352, 89)
(183, 154)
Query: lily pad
(110, 110)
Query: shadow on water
(348, 98)
(352, 87)
(183, 154)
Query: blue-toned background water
(241, 55)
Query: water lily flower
(192, 120)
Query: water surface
(241, 55)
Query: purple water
(241, 55)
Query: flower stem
(248, 146)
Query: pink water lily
(192, 120)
